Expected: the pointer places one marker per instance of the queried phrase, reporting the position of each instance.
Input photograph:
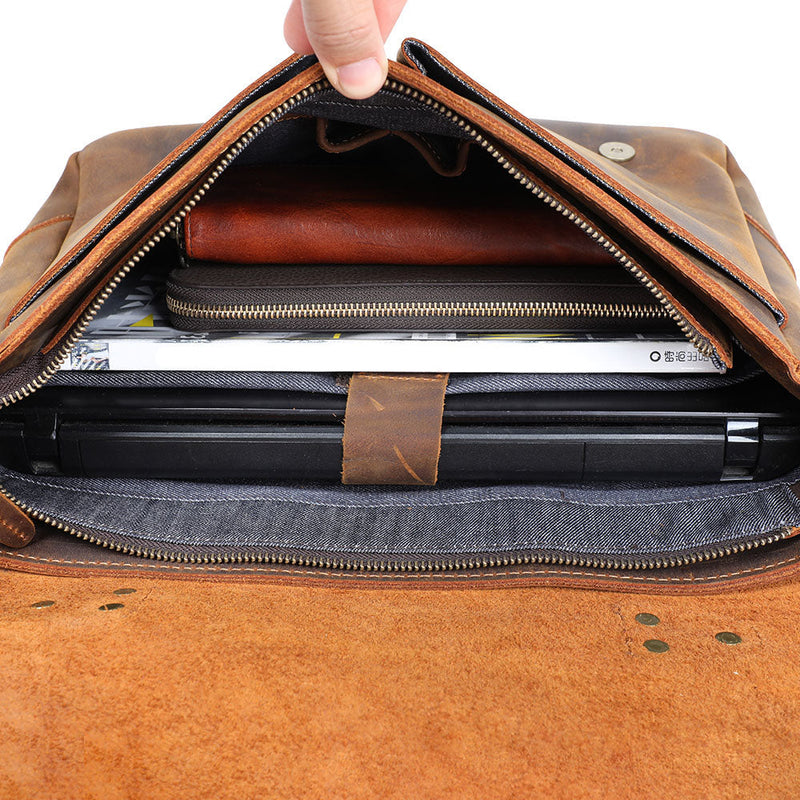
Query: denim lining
(632, 520)
(328, 383)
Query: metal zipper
(533, 310)
(419, 565)
(142, 549)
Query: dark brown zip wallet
(381, 297)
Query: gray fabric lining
(597, 520)
(327, 383)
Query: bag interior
(608, 521)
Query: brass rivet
(111, 606)
(727, 637)
(647, 619)
(43, 604)
(656, 646)
(124, 591)
(617, 151)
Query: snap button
(617, 151)
(728, 637)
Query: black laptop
(744, 431)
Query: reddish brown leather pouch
(354, 214)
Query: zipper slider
(16, 527)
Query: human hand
(348, 37)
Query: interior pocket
(378, 204)
(639, 525)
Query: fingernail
(360, 79)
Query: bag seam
(770, 238)
(406, 577)
(38, 227)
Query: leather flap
(677, 181)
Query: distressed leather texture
(222, 689)
(393, 429)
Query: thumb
(346, 36)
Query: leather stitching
(15, 531)
(769, 237)
(427, 576)
(38, 227)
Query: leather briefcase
(388, 621)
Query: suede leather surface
(200, 689)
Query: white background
(72, 72)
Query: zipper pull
(16, 527)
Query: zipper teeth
(704, 346)
(428, 564)
(169, 228)
(415, 309)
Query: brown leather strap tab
(393, 429)
(16, 527)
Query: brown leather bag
(669, 206)
(696, 241)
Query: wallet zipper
(532, 310)
(423, 563)
(690, 332)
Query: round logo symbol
(655, 356)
